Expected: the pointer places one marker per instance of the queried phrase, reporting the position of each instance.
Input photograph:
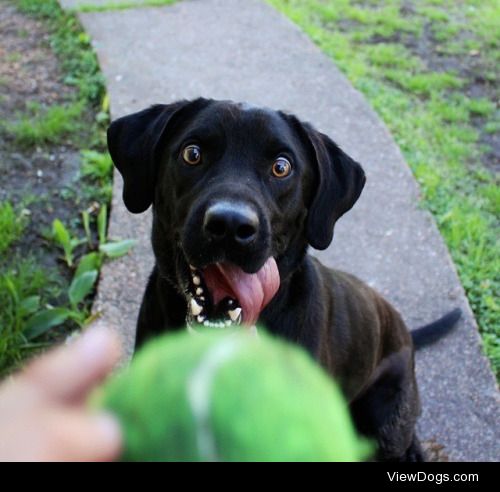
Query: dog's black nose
(236, 222)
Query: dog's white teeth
(196, 309)
(200, 319)
(214, 324)
(234, 314)
(196, 280)
(199, 291)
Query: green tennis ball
(229, 396)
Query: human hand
(43, 411)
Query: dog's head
(238, 192)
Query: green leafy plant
(41, 125)
(97, 168)
(81, 286)
(86, 227)
(89, 262)
(111, 249)
(24, 286)
(11, 226)
(117, 248)
(72, 45)
(96, 164)
(29, 318)
(65, 240)
(102, 224)
(84, 278)
(24, 305)
(40, 303)
(44, 320)
(113, 5)
(50, 317)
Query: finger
(73, 435)
(69, 372)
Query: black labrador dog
(238, 195)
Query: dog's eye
(192, 155)
(281, 167)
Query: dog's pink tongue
(253, 291)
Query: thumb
(70, 372)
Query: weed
(11, 226)
(13, 57)
(97, 168)
(97, 165)
(86, 228)
(481, 107)
(72, 45)
(35, 300)
(123, 5)
(26, 318)
(40, 125)
(24, 287)
(65, 240)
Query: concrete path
(246, 51)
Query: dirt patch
(40, 180)
(28, 69)
(478, 72)
(471, 67)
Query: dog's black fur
(351, 330)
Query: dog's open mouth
(222, 294)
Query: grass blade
(63, 237)
(86, 226)
(102, 224)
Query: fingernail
(96, 343)
(108, 429)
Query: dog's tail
(428, 334)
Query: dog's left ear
(340, 181)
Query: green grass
(97, 167)
(24, 286)
(28, 288)
(96, 164)
(376, 45)
(72, 46)
(38, 125)
(13, 57)
(11, 226)
(123, 5)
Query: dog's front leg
(162, 309)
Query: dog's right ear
(136, 142)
